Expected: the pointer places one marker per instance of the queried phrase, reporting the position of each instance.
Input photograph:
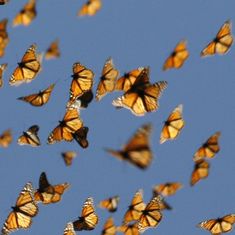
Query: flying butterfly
(163, 204)
(5, 138)
(47, 193)
(88, 219)
(129, 229)
(2, 69)
(110, 204)
(28, 68)
(68, 157)
(30, 137)
(137, 150)
(220, 225)
(109, 227)
(80, 136)
(90, 8)
(107, 79)
(40, 98)
(221, 43)
(3, 2)
(167, 189)
(22, 213)
(173, 125)
(53, 50)
(26, 14)
(177, 57)
(69, 229)
(209, 148)
(4, 39)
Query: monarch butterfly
(220, 225)
(2, 69)
(221, 43)
(177, 57)
(80, 136)
(69, 125)
(5, 138)
(110, 204)
(48, 193)
(90, 8)
(137, 150)
(129, 229)
(135, 208)
(109, 227)
(167, 189)
(30, 137)
(53, 51)
(209, 148)
(3, 2)
(151, 215)
(201, 171)
(26, 15)
(172, 125)
(4, 39)
(88, 219)
(28, 68)
(23, 211)
(163, 204)
(40, 98)
(107, 79)
(69, 230)
(82, 81)
(68, 157)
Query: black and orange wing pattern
(2, 69)
(167, 189)
(69, 229)
(68, 157)
(109, 227)
(110, 204)
(4, 39)
(53, 50)
(30, 137)
(90, 8)
(3, 2)
(129, 229)
(163, 204)
(5, 138)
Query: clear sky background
(134, 33)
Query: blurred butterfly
(80, 136)
(107, 79)
(167, 189)
(219, 225)
(129, 229)
(2, 69)
(221, 43)
(137, 150)
(30, 137)
(28, 68)
(88, 219)
(40, 98)
(151, 215)
(48, 193)
(209, 148)
(177, 57)
(110, 204)
(90, 8)
(135, 208)
(172, 125)
(5, 138)
(21, 215)
(66, 128)
(53, 51)
(109, 227)
(68, 157)
(82, 81)
(201, 171)
(69, 230)
(4, 39)
(26, 15)
(3, 2)
(163, 204)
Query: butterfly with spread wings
(30, 137)
(28, 68)
(4, 39)
(129, 229)
(110, 204)
(5, 138)
(137, 150)
(90, 8)
(69, 229)
(167, 189)
(22, 213)
(53, 51)
(109, 227)
(2, 69)
(68, 157)
(221, 43)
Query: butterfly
(82, 81)
(129, 229)
(110, 204)
(4, 39)
(80, 136)
(88, 219)
(3, 2)
(163, 204)
(53, 51)
(5, 138)
(48, 193)
(221, 43)
(40, 98)
(21, 215)
(209, 148)
(69, 229)
(137, 150)
(66, 128)
(167, 189)
(201, 171)
(109, 227)
(107, 79)
(90, 8)
(173, 125)
(2, 69)
(135, 208)
(26, 15)
(220, 225)
(30, 137)
(28, 68)
(68, 157)
(177, 57)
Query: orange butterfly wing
(109, 227)
(30, 137)
(4, 39)
(168, 189)
(5, 138)
(53, 51)
(69, 229)
(90, 8)
(68, 157)
(110, 204)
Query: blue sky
(134, 33)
